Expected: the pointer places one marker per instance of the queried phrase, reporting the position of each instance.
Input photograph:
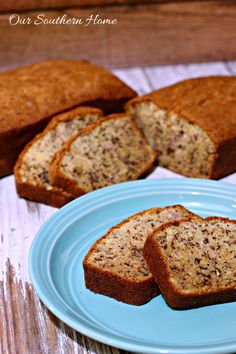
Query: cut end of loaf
(182, 147)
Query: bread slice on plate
(32, 167)
(194, 261)
(191, 125)
(114, 266)
(111, 151)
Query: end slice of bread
(114, 266)
(111, 151)
(32, 168)
(194, 261)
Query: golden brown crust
(55, 197)
(110, 284)
(208, 102)
(225, 159)
(159, 268)
(57, 178)
(32, 94)
(69, 115)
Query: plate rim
(99, 334)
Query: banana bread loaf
(194, 261)
(111, 151)
(115, 266)
(192, 125)
(30, 96)
(32, 167)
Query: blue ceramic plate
(55, 263)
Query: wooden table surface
(168, 32)
(26, 326)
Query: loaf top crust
(42, 90)
(209, 102)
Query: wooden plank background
(26, 326)
(167, 33)
(7, 5)
(56, 4)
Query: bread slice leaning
(114, 266)
(111, 151)
(32, 167)
(194, 261)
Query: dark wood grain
(28, 327)
(146, 34)
(10, 5)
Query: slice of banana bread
(192, 125)
(114, 266)
(194, 261)
(32, 167)
(108, 152)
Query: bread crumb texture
(201, 256)
(37, 159)
(120, 250)
(182, 146)
(112, 152)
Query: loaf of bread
(192, 125)
(108, 152)
(32, 167)
(30, 96)
(194, 261)
(115, 266)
